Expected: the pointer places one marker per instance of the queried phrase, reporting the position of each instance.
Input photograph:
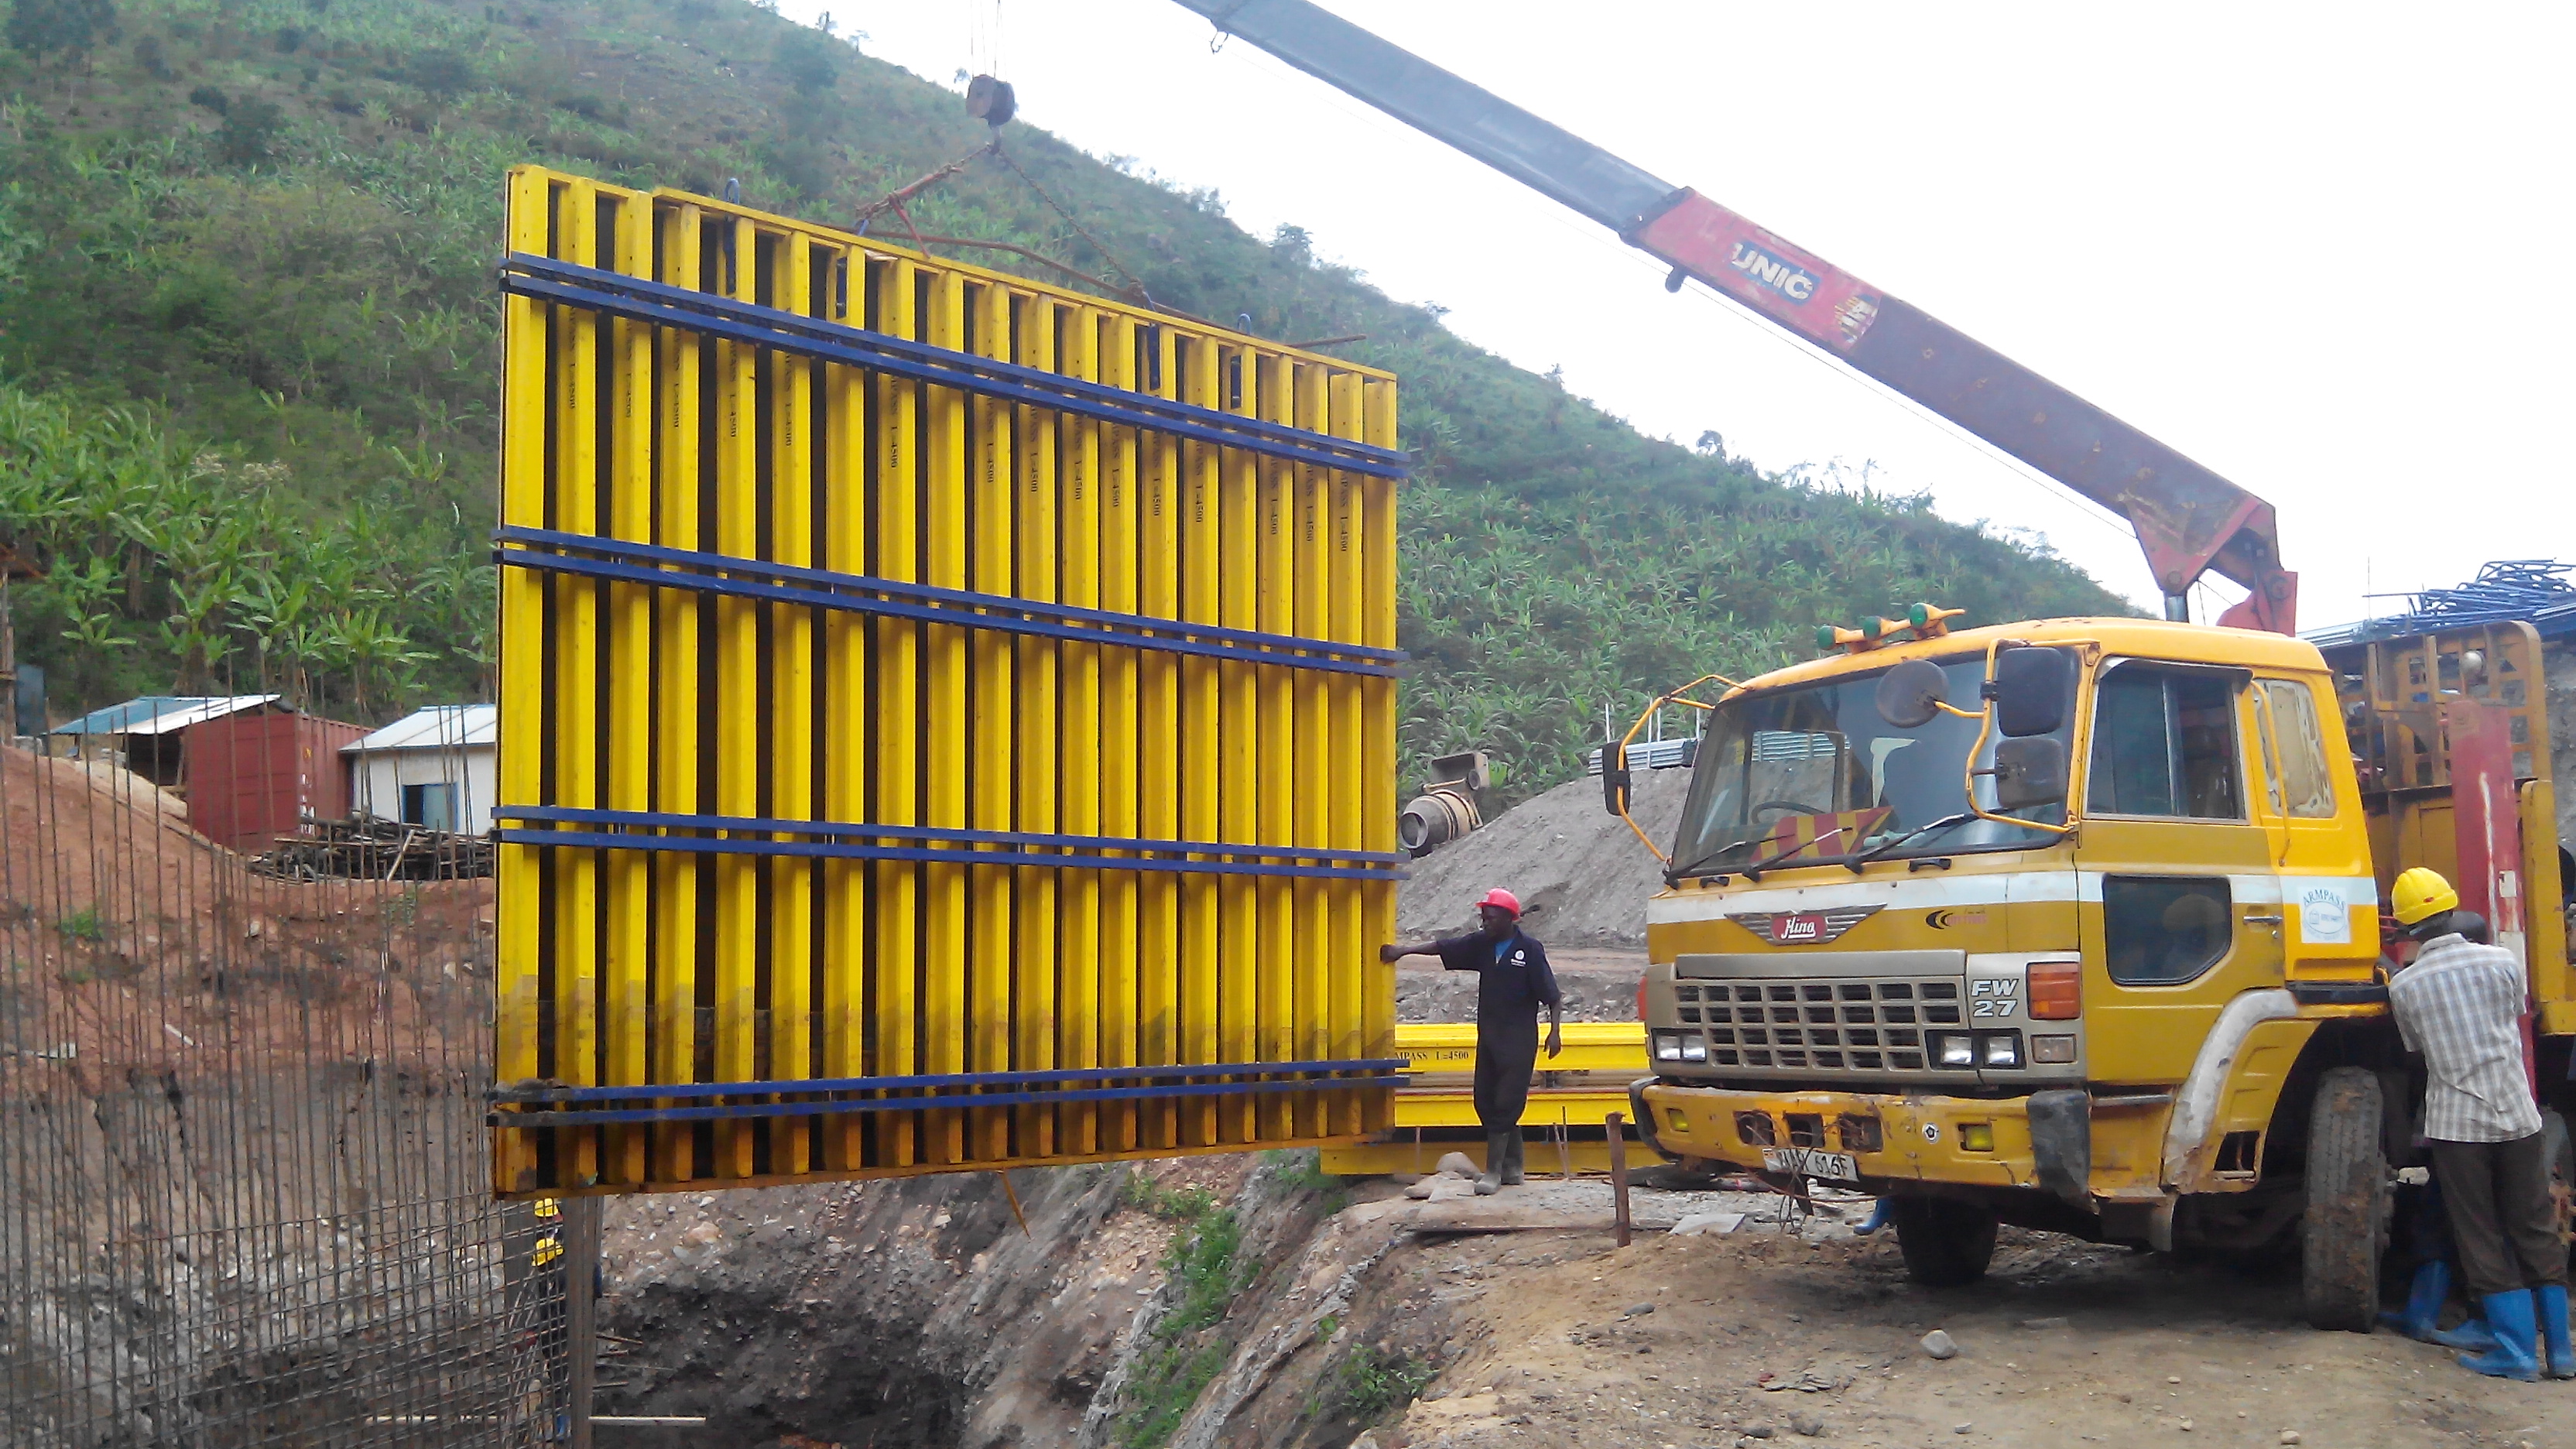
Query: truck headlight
(1955, 1049)
(2001, 1048)
(1668, 1046)
(1694, 1049)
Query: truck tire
(1946, 1243)
(2345, 1227)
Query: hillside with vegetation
(248, 361)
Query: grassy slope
(309, 289)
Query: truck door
(2178, 885)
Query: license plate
(1811, 1162)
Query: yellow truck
(2075, 925)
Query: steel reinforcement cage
(948, 722)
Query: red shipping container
(256, 776)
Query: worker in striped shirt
(2461, 1005)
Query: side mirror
(2029, 771)
(2030, 690)
(1912, 693)
(1614, 777)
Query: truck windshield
(1809, 775)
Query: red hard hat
(1503, 899)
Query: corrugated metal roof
(439, 727)
(161, 714)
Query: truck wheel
(1946, 1243)
(2345, 1226)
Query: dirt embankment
(1580, 872)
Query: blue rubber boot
(2421, 1318)
(2552, 1306)
(2515, 1319)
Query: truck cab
(2075, 924)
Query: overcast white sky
(2315, 248)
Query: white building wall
(377, 778)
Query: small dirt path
(2065, 1344)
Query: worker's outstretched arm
(1398, 953)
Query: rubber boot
(1497, 1156)
(2515, 1320)
(1513, 1162)
(2551, 1303)
(2421, 1318)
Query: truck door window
(2164, 743)
(2163, 931)
(2301, 786)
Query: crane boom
(2189, 520)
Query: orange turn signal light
(2056, 990)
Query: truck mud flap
(2061, 1145)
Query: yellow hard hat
(2421, 894)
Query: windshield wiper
(1884, 846)
(1754, 872)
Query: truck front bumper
(1966, 1141)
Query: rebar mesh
(243, 1164)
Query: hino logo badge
(1777, 273)
(1803, 928)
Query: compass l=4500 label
(1994, 996)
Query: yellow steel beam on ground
(1077, 1007)
(677, 618)
(895, 425)
(518, 868)
(1122, 968)
(625, 963)
(1590, 1046)
(1584, 1156)
(994, 718)
(843, 486)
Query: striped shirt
(2461, 1005)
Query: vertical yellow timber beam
(624, 967)
(1034, 1002)
(1121, 1032)
(944, 720)
(995, 717)
(791, 708)
(1351, 946)
(1160, 967)
(1199, 1041)
(897, 454)
(739, 742)
(1240, 954)
(676, 766)
(842, 485)
(524, 403)
(1377, 759)
(1275, 612)
(572, 731)
(1316, 946)
(1079, 995)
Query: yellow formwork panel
(943, 715)
(1571, 1098)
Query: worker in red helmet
(1513, 982)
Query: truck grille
(1838, 1025)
